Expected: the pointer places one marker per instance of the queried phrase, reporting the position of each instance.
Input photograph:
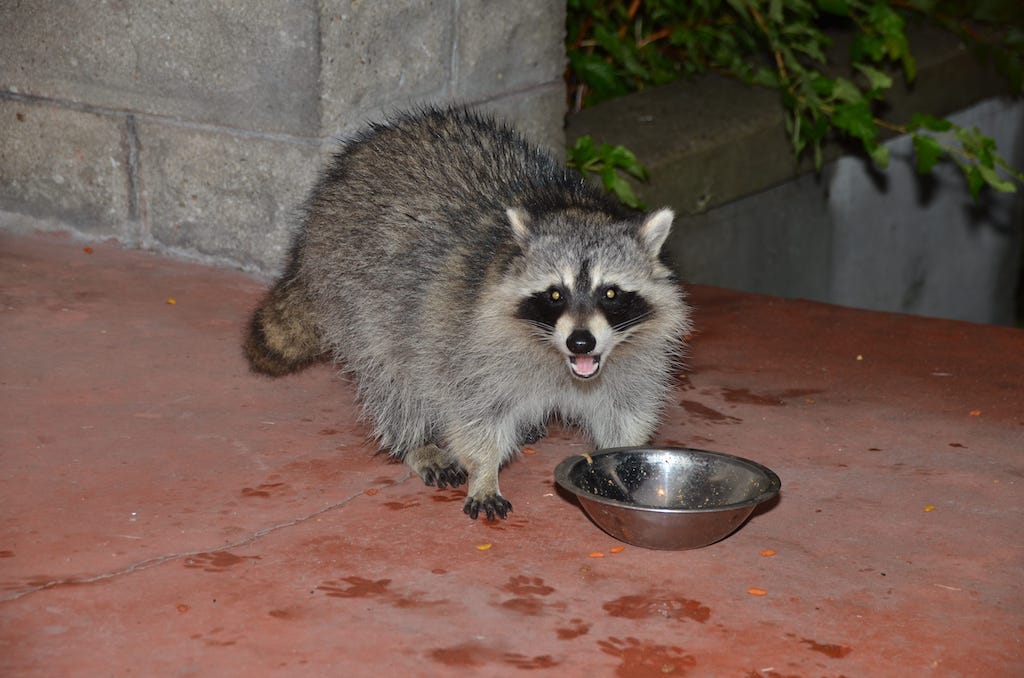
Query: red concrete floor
(165, 512)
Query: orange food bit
(182, 607)
(529, 450)
(371, 491)
(171, 301)
(767, 553)
(975, 413)
(596, 554)
(87, 250)
(757, 592)
(929, 508)
(483, 547)
(617, 549)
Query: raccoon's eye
(611, 293)
(555, 295)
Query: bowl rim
(566, 465)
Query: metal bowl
(667, 497)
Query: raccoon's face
(587, 295)
(584, 318)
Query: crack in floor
(160, 560)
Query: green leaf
(599, 75)
(922, 121)
(880, 155)
(846, 91)
(992, 179)
(622, 157)
(974, 180)
(837, 7)
(928, 152)
(876, 79)
(855, 119)
(620, 187)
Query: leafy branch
(615, 48)
(605, 161)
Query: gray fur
(419, 242)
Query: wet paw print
(653, 605)
(377, 589)
(400, 505)
(214, 638)
(216, 561)
(529, 593)
(574, 629)
(357, 587)
(639, 658)
(447, 496)
(521, 661)
(264, 490)
(527, 586)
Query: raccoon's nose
(580, 342)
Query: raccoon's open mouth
(585, 366)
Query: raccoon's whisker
(627, 324)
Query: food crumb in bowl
(529, 450)
(483, 547)
(617, 549)
(596, 554)
(590, 460)
(756, 591)
(767, 553)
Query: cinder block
(66, 165)
(502, 46)
(380, 56)
(251, 65)
(223, 196)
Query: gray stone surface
(66, 165)
(251, 65)
(532, 112)
(776, 242)
(198, 127)
(922, 245)
(227, 197)
(506, 46)
(382, 55)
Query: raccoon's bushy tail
(283, 336)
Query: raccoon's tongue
(584, 366)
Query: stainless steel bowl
(667, 497)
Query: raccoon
(474, 288)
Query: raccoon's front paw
(449, 476)
(493, 505)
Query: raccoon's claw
(450, 476)
(495, 505)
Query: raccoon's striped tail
(283, 336)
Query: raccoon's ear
(520, 222)
(655, 229)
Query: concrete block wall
(197, 128)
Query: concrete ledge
(712, 140)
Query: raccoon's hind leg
(283, 336)
(436, 466)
